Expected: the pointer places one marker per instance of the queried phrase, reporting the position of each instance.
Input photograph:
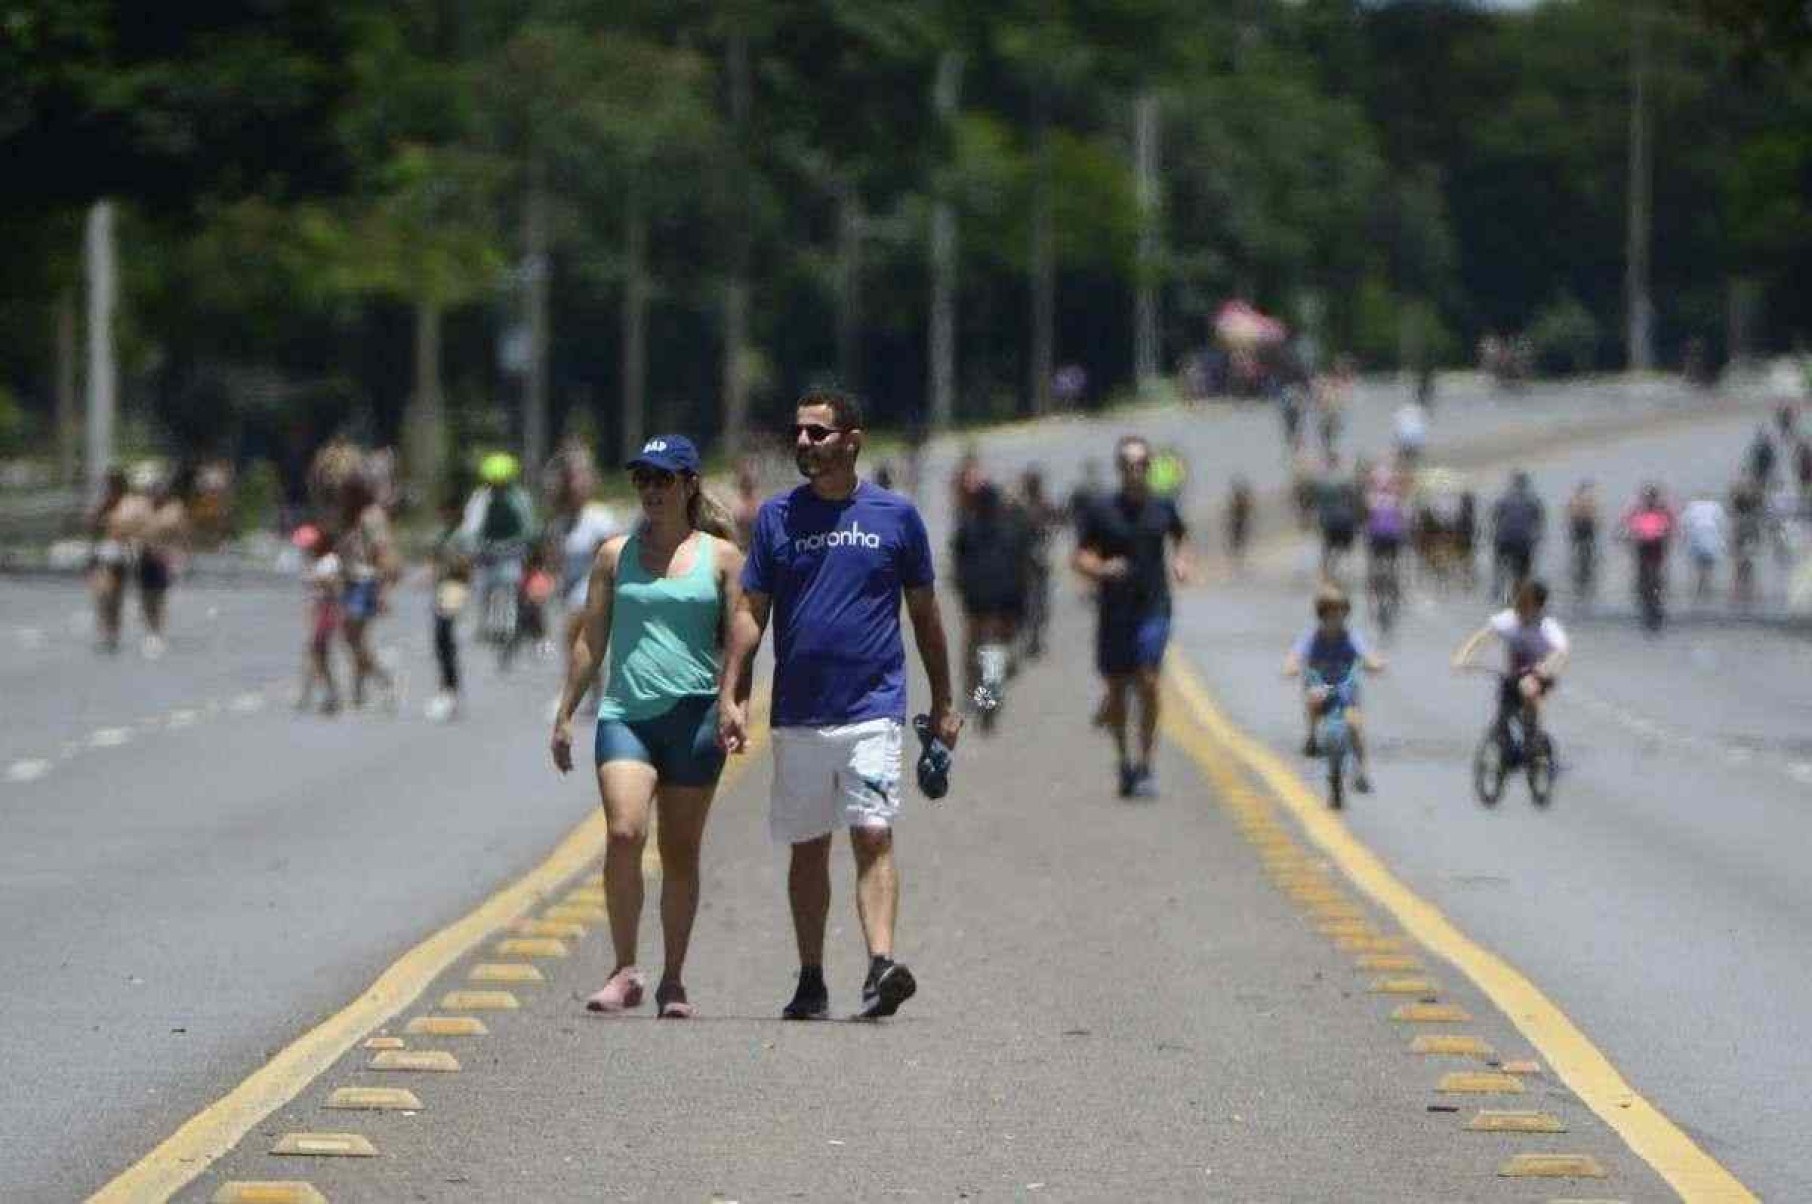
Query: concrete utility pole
(1043, 258)
(103, 372)
(1146, 356)
(69, 322)
(536, 270)
(1639, 310)
(943, 259)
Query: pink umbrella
(1240, 325)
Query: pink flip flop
(622, 991)
(674, 1006)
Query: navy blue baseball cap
(668, 453)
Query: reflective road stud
(1430, 1013)
(447, 1026)
(479, 1001)
(528, 946)
(565, 929)
(324, 1145)
(438, 1061)
(1479, 1083)
(1488, 1121)
(1455, 1046)
(1552, 1166)
(269, 1191)
(505, 972)
(375, 1099)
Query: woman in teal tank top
(659, 602)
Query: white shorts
(827, 778)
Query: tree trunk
(103, 378)
(635, 315)
(1043, 264)
(943, 261)
(425, 438)
(1146, 353)
(736, 287)
(849, 286)
(537, 267)
(68, 322)
(1639, 306)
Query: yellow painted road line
(219, 1127)
(1678, 1159)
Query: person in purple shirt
(829, 562)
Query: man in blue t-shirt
(830, 562)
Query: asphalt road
(195, 876)
(1661, 900)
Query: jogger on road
(830, 561)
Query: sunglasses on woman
(642, 478)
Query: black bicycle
(1515, 740)
(1384, 589)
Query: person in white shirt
(1535, 650)
(1706, 528)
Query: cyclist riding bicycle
(1582, 533)
(1326, 657)
(1535, 651)
(499, 524)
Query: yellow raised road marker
(1345, 928)
(432, 1061)
(576, 914)
(1488, 1121)
(505, 972)
(1464, 1082)
(268, 1191)
(386, 1043)
(1371, 944)
(1552, 1166)
(375, 1099)
(1578, 1063)
(479, 1001)
(447, 1026)
(1387, 963)
(1404, 986)
(324, 1145)
(1431, 1013)
(1451, 1046)
(1521, 1067)
(530, 946)
(563, 929)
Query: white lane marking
(245, 704)
(27, 771)
(182, 717)
(109, 737)
(1802, 771)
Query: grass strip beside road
(1580, 1064)
(216, 1129)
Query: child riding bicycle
(1327, 657)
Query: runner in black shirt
(1122, 546)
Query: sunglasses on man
(817, 432)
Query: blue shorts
(681, 742)
(1128, 644)
(360, 599)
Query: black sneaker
(1145, 783)
(1361, 783)
(810, 1002)
(883, 994)
(1129, 778)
